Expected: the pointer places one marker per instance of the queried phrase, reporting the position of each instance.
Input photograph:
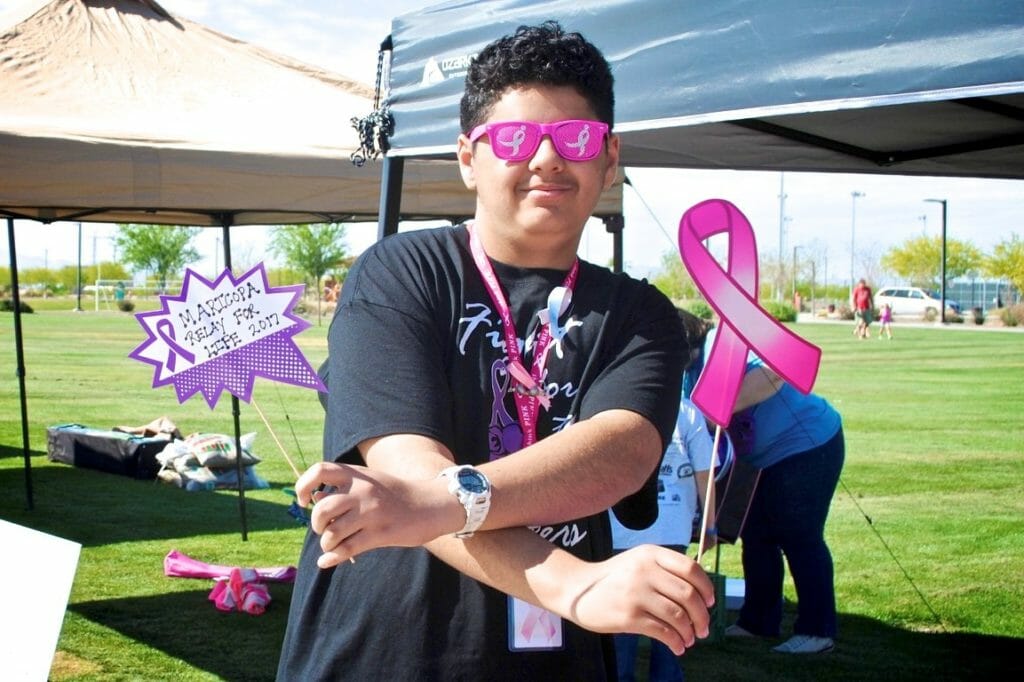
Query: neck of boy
(521, 250)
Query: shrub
(845, 312)
(783, 312)
(7, 306)
(1012, 315)
(126, 306)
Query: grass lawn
(927, 528)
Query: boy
(546, 380)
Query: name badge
(531, 628)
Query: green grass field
(927, 528)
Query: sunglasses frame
(545, 130)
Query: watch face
(471, 480)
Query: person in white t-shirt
(682, 483)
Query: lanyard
(528, 391)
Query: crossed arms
(397, 500)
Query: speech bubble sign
(221, 335)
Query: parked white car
(914, 301)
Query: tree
(919, 260)
(1007, 261)
(161, 250)
(38, 278)
(314, 250)
(673, 280)
(871, 263)
(67, 277)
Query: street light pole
(814, 275)
(942, 268)
(854, 195)
(780, 280)
(78, 304)
(793, 296)
(825, 278)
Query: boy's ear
(464, 154)
(613, 161)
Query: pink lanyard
(528, 392)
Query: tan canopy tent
(118, 111)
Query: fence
(984, 294)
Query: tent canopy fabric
(117, 111)
(916, 87)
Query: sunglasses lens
(515, 141)
(518, 140)
(577, 140)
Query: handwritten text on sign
(223, 334)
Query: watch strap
(476, 504)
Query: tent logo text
(435, 71)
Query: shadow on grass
(18, 489)
(187, 626)
(184, 625)
(867, 649)
(96, 508)
(7, 451)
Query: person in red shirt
(863, 308)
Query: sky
(817, 217)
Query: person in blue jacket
(796, 441)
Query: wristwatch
(473, 490)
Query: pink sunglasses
(574, 140)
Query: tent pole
(390, 196)
(19, 347)
(614, 224)
(235, 409)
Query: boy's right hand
(647, 590)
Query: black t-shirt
(417, 347)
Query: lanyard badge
(528, 392)
(530, 628)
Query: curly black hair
(544, 55)
(695, 329)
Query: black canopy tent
(914, 87)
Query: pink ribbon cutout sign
(745, 325)
(220, 335)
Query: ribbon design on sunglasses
(519, 140)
